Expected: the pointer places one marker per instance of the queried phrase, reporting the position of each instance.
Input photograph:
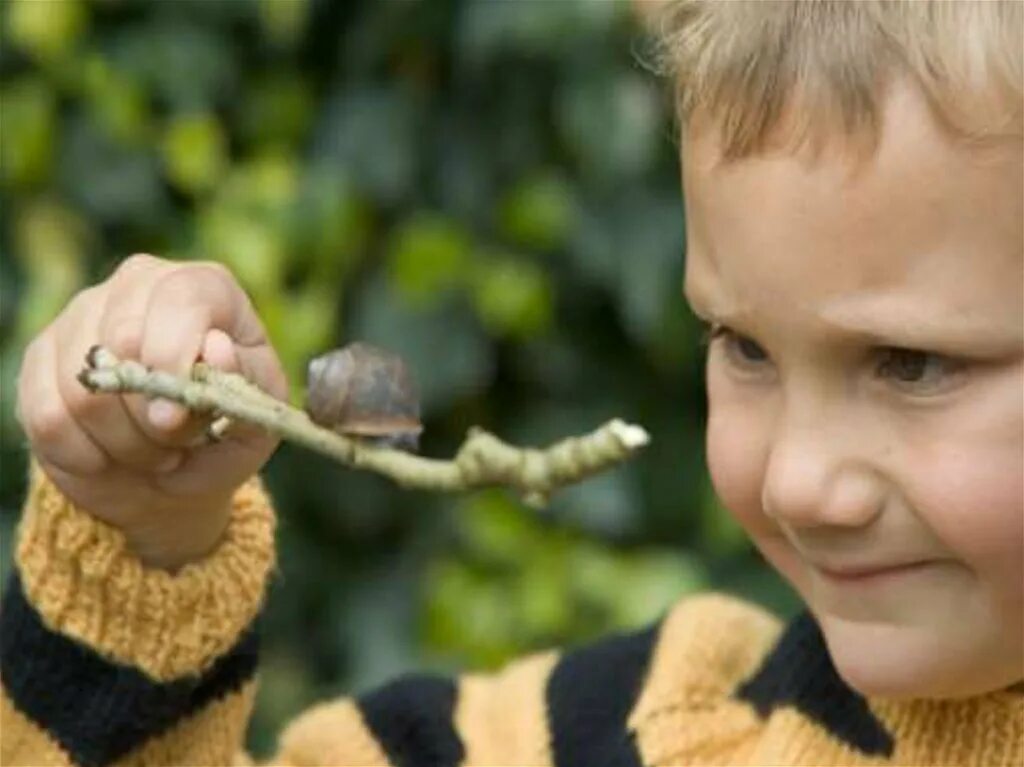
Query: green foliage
(537, 213)
(490, 189)
(29, 115)
(512, 296)
(45, 31)
(194, 152)
(428, 258)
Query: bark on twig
(482, 460)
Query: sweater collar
(798, 672)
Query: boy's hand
(141, 465)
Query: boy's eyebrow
(886, 324)
(885, 318)
(907, 326)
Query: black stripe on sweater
(590, 694)
(96, 709)
(412, 719)
(799, 672)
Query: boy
(853, 178)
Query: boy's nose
(813, 478)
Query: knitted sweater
(105, 662)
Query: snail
(365, 392)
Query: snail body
(364, 392)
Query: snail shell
(366, 392)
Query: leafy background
(489, 188)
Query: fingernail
(164, 414)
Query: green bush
(490, 189)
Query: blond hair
(752, 67)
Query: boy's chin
(892, 662)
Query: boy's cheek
(974, 504)
(736, 459)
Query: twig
(482, 460)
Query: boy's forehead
(922, 216)
(906, 120)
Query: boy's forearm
(106, 657)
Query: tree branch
(482, 460)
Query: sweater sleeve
(567, 708)
(104, 661)
(653, 695)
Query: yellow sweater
(104, 662)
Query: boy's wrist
(81, 575)
(172, 547)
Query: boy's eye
(739, 348)
(917, 369)
(748, 349)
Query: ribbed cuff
(80, 575)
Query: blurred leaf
(649, 229)
(110, 181)
(194, 151)
(119, 104)
(612, 122)
(493, 527)
(331, 227)
(427, 258)
(265, 186)
(51, 243)
(540, 28)
(512, 296)
(606, 505)
(27, 126)
(284, 677)
(631, 246)
(251, 247)
(382, 599)
(648, 585)
(543, 598)
(469, 615)
(11, 286)
(11, 433)
(247, 223)
(370, 135)
(183, 64)
(537, 213)
(278, 110)
(283, 20)
(45, 30)
(462, 168)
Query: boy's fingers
(184, 306)
(195, 302)
(169, 315)
(55, 435)
(103, 417)
(121, 330)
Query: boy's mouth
(870, 573)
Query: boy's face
(867, 399)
